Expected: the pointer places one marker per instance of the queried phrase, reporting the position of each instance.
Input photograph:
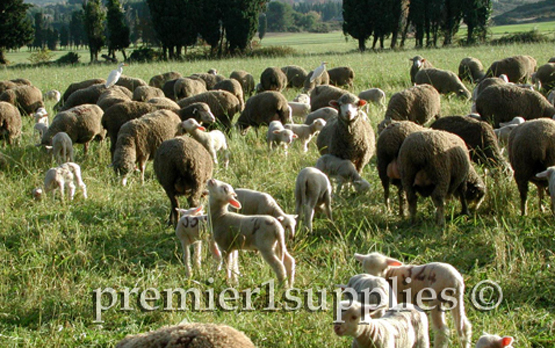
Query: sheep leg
(228, 256)
(462, 198)
(70, 151)
(401, 195)
(198, 254)
(412, 199)
(173, 212)
(289, 263)
(71, 186)
(462, 324)
(86, 146)
(327, 204)
(440, 209)
(541, 192)
(142, 168)
(274, 262)
(441, 331)
(385, 185)
(523, 191)
(186, 257)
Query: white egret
(318, 72)
(115, 75)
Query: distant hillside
(542, 11)
(502, 6)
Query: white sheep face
(494, 341)
(349, 321)
(222, 192)
(376, 264)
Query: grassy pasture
(53, 255)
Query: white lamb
(61, 176)
(370, 290)
(441, 278)
(52, 95)
(516, 121)
(306, 132)
(312, 192)
(40, 128)
(374, 95)
(343, 170)
(494, 341)
(234, 232)
(41, 116)
(189, 230)
(401, 327)
(260, 203)
(299, 109)
(549, 174)
(62, 148)
(213, 141)
(302, 98)
(278, 135)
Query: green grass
(53, 255)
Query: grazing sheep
(113, 96)
(302, 98)
(489, 81)
(10, 122)
(245, 79)
(549, 174)
(350, 135)
(309, 85)
(77, 86)
(186, 87)
(182, 166)
(234, 87)
(234, 231)
(7, 84)
(305, 132)
(418, 104)
(263, 108)
(260, 203)
(517, 68)
(436, 163)
(213, 141)
(370, 290)
(403, 326)
(503, 134)
(159, 80)
(531, 150)
(277, 135)
(344, 170)
(445, 281)
(209, 79)
(545, 76)
(82, 123)
(169, 89)
(342, 76)
(321, 96)
(52, 95)
(374, 95)
(139, 139)
(299, 109)
(312, 192)
(296, 75)
(418, 63)
(82, 96)
(130, 82)
(199, 111)
(195, 335)
(471, 69)
(494, 341)
(26, 98)
(498, 104)
(144, 93)
(223, 105)
(273, 79)
(326, 114)
(62, 148)
(164, 103)
(444, 81)
(67, 174)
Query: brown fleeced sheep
(488, 81)
(545, 76)
(7, 84)
(77, 86)
(531, 151)
(418, 104)
(10, 122)
(182, 166)
(273, 79)
(437, 164)
(444, 81)
(144, 93)
(321, 96)
(471, 69)
(223, 105)
(342, 76)
(139, 139)
(169, 89)
(113, 96)
(245, 79)
(82, 96)
(195, 335)
(186, 87)
(498, 104)
(82, 123)
(130, 82)
(164, 103)
(159, 80)
(263, 108)
(518, 68)
(418, 63)
(26, 98)
(234, 87)
(209, 79)
(296, 75)
(322, 80)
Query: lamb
(234, 231)
(517, 68)
(182, 167)
(350, 135)
(77, 86)
(263, 108)
(418, 63)
(195, 335)
(342, 76)
(67, 174)
(436, 163)
(113, 96)
(442, 279)
(277, 135)
(41, 116)
(52, 95)
(40, 128)
(213, 141)
(223, 105)
(549, 174)
(370, 290)
(516, 121)
(532, 150)
(374, 95)
(10, 122)
(302, 98)
(26, 98)
(545, 76)
(403, 326)
(312, 191)
(309, 85)
(209, 79)
(130, 82)
(444, 81)
(234, 87)
(305, 132)
(342, 169)
(296, 75)
(260, 203)
(498, 104)
(494, 341)
(159, 80)
(326, 114)
(186, 87)
(471, 69)
(321, 96)
(245, 79)
(62, 148)
(139, 139)
(273, 79)
(299, 109)
(418, 104)
(144, 93)
(82, 123)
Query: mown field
(54, 254)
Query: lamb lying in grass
(305, 132)
(212, 141)
(278, 135)
(312, 192)
(60, 177)
(401, 327)
(494, 341)
(343, 170)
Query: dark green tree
(52, 38)
(476, 14)
(94, 16)
(64, 36)
(240, 21)
(40, 31)
(279, 16)
(262, 26)
(356, 21)
(118, 30)
(77, 34)
(16, 29)
(211, 30)
(452, 19)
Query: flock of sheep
(151, 122)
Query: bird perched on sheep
(234, 87)
(444, 81)
(310, 83)
(159, 80)
(342, 76)
(312, 193)
(498, 104)
(113, 96)
(26, 98)
(186, 87)
(65, 175)
(373, 95)
(75, 87)
(277, 135)
(223, 105)
(342, 169)
(350, 135)
(82, 123)
(263, 108)
(296, 75)
(532, 150)
(545, 76)
(418, 63)
(326, 114)
(321, 96)
(494, 341)
(305, 132)
(214, 141)
(273, 79)
(114, 75)
(195, 335)
(517, 68)
(144, 93)
(182, 166)
(62, 148)
(10, 122)
(471, 69)
(245, 79)
(418, 104)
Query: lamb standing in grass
(68, 174)
(343, 170)
(494, 341)
(306, 132)
(212, 141)
(279, 136)
(312, 192)
(373, 95)
(62, 148)
(446, 282)
(258, 232)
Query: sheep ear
(393, 263)
(341, 286)
(201, 128)
(506, 341)
(198, 210)
(234, 203)
(334, 103)
(542, 174)
(361, 103)
(295, 136)
(280, 218)
(359, 257)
